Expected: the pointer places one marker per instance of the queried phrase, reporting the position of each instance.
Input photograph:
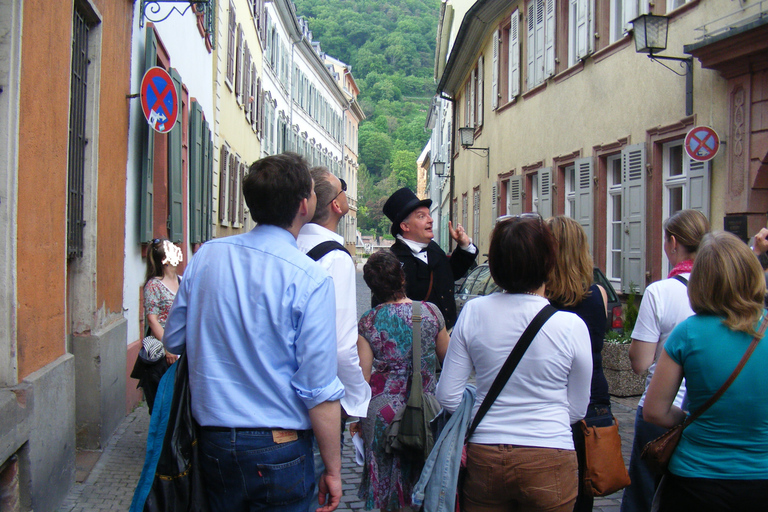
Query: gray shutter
(531, 45)
(207, 174)
(494, 203)
(223, 163)
(232, 207)
(515, 196)
(239, 64)
(231, 44)
(175, 180)
(473, 97)
(495, 72)
(584, 195)
(549, 39)
(633, 217)
(148, 152)
(480, 90)
(697, 186)
(513, 87)
(582, 27)
(195, 134)
(545, 192)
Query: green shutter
(175, 185)
(195, 172)
(207, 187)
(147, 151)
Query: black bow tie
(423, 250)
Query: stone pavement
(109, 484)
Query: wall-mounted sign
(159, 100)
(702, 143)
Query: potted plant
(622, 381)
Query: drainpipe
(453, 147)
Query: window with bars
(77, 136)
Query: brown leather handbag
(658, 452)
(604, 471)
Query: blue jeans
(638, 497)
(245, 470)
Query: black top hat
(400, 205)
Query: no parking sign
(702, 143)
(159, 100)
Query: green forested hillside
(390, 45)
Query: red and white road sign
(159, 100)
(702, 143)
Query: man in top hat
(429, 272)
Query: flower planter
(622, 381)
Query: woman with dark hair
(385, 347)
(721, 462)
(160, 287)
(665, 304)
(521, 455)
(570, 288)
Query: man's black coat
(444, 269)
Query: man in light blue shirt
(256, 318)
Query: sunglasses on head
(343, 189)
(528, 215)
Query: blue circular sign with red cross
(159, 100)
(702, 143)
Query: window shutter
(148, 151)
(495, 72)
(223, 161)
(513, 87)
(257, 105)
(697, 186)
(231, 45)
(549, 34)
(467, 100)
(232, 189)
(494, 203)
(262, 117)
(239, 65)
(175, 185)
(480, 89)
(207, 189)
(633, 218)
(246, 81)
(195, 172)
(582, 27)
(241, 197)
(531, 45)
(545, 192)
(515, 199)
(473, 98)
(584, 196)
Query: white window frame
(541, 41)
(613, 220)
(580, 30)
(622, 13)
(569, 173)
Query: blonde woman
(664, 305)
(721, 462)
(570, 288)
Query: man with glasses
(320, 240)
(429, 272)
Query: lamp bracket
(150, 9)
(684, 61)
(487, 155)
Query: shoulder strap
(324, 248)
(510, 364)
(752, 346)
(680, 278)
(416, 384)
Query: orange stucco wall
(42, 172)
(42, 180)
(113, 150)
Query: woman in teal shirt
(721, 462)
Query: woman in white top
(521, 456)
(664, 305)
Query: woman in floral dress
(385, 347)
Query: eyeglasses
(528, 215)
(156, 241)
(343, 189)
